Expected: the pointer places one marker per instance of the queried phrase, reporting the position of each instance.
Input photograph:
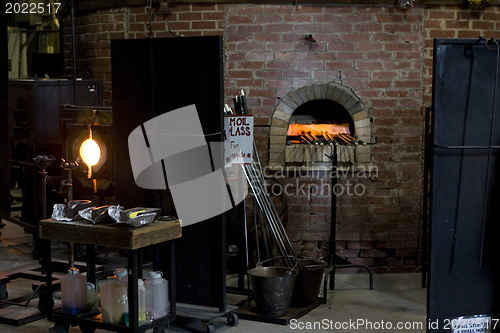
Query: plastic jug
(74, 292)
(106, 298)
(141, 300)
(156, 295)
(114, 300)
(120, 311)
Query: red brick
(203, 7)
(268, 18)
(269, 37)
(293, 74)
(239, 19)
(215, 16)
(247, 29)
(249, 9)
(250, 65)
(189, 16)
(203, 25)
(275, 28)
(309, 9)
(297, 18)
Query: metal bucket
(308, 281)
(273, 288)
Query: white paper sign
(238, 134)
(471, 324)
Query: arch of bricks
(341, 94)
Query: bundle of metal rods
(330, 139)
(255, 177)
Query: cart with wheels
(157, 234)
(207, 315)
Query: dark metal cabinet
(151, 77)
(464, 262)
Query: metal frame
(454, 163)
(332, 258)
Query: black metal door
(151, 77)
(465, 214)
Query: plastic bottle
(91, 297)
(141, 300)
(156, 295)
(122, 275)
(120, 311)
(74, 292)
(106, 295)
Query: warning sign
(238, 136)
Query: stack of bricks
(380, 52)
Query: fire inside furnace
(317, 133)
(320, 122)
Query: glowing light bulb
(90, 153)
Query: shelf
(110, 235)
(94, 320)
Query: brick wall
(383, 54)
(456, 22)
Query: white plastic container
(120, 311)
(141, 300)
(107, 298)
(156, 295)
(114, 300)
(74, 292)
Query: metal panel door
(464, 275)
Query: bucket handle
(296, 262)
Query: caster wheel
(45, 302)
(35, 254)
(59, 329)
(208, 327)
(232, 319)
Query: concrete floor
(397, 303)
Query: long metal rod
(265, 232)
(275, 219)
(256, 232)
(492, 122)
(333, 218)
(261, 173)
(271, 217)
(426, 197)
(263, 209)
(73, 48)
(456, 225)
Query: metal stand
(335, 261)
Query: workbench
(159, 234)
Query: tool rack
(158, 234)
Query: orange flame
(318, 129)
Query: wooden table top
(111, 235)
